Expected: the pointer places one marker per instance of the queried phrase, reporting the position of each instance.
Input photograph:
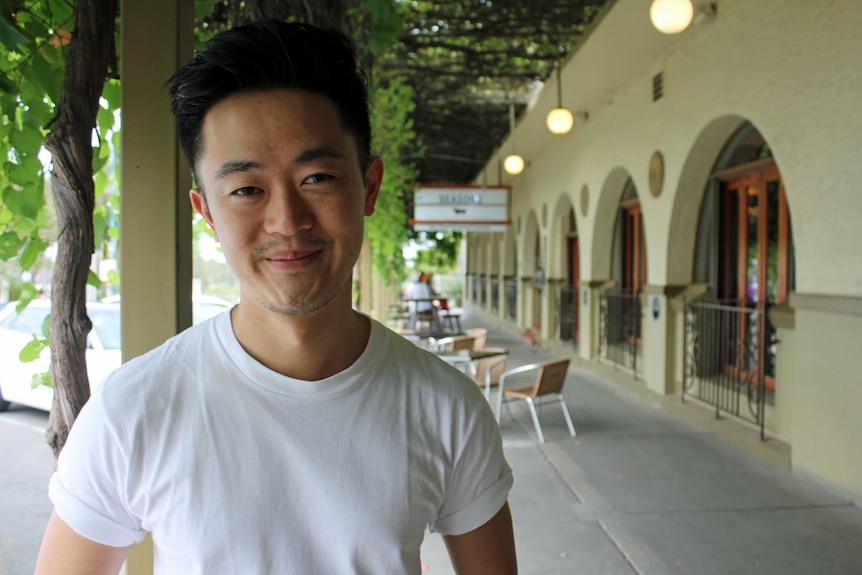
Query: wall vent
(657, 86)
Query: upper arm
(487, 550)
(65, 552)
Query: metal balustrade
(511, 285)
(567, 302)
(725, 358)
(620, 329)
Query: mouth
(293, 259)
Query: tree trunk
(90, 51)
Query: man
(292, 434)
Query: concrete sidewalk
(642, 489)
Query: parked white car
(103, 346)
(17, 328)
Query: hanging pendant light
(513, 164)
(560, 119)
(671, 16)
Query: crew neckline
(267, 378)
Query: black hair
(267, 55)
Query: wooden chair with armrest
(487, 370)
(550, 379)
(453, 343)
(481, 335)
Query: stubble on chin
(303, 305)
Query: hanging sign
(461, 208)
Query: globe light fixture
(513, 164)
(671, 16)
(560, 119)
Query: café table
(465, 358)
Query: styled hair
(270, 55)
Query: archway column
(156, 248)
(663, 334)
(525, 302)
(588, 338)
(551, 308)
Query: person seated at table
(421, 289)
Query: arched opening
(629, 254)
(570, 309)
(533, 273)
(494, 271)
(483, 271)
(620, 307)
(510, 273)
(563, 273)
(744, 254)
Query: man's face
(285, 196)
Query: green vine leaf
(28, 294)
(10, 244)
(33, 349)
(40, 379)
(10, 36)
(93, 279)
(34, 248)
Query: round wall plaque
(585, 200)
(656, 174)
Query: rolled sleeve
(88, 522)
(479, 512)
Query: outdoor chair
(481, 335)
(453, 343)
(550, 379)
(487, 371)
(450, 317)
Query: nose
(287, 213)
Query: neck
(309, 347)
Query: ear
(373, 179)
(199, 203)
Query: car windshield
(106, 324)
(28, 320)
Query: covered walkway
(644, 490)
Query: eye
(246, 191)
(318, 178)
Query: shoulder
(405, 363)
(141, 379)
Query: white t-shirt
(235, 468)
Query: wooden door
(754, 251)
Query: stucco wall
(795, 72)
(827, 394)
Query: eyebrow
(235, 167)
(320, 153)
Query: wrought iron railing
(620, 329)
(511, 285)
(567, 307)
(725, 358)
(495, 295)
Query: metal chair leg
(567, 416)
(535, 419)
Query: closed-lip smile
(292, 259)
